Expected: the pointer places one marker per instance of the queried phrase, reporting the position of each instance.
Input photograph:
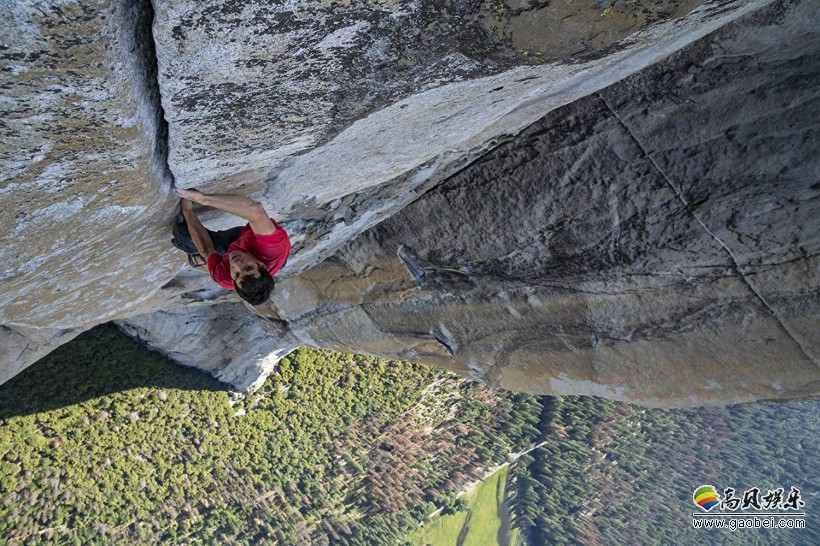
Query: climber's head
(251, 279)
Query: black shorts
(221, 239)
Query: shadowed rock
(628, 245)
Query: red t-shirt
(272, 250)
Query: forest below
(105, 442)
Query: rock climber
(244, 258)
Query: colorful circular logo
(706, 497)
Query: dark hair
(255, 289)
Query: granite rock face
(25, 346)
(623, 204)
(83, 164)
(654, 242)
(233, 345)
(365, 107)
(309, 70)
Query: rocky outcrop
(25, 346)
(652, 239)
(226, 340)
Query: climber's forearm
(240, 205)
(199, 235)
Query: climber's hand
(191, 194)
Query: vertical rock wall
(655, 242)
(84, 179)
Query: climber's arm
(240, 205)
(202, 240)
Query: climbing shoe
(196, 260)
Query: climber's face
(243, 265)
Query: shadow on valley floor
(96, 363)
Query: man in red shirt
(250, 262)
